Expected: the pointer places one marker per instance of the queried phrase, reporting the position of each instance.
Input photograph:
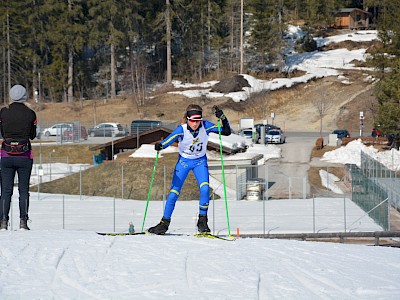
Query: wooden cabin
(352, 18)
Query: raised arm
(178, 132)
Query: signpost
(361, 122)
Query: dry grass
(319, 153)
(315, 179)
(76, 154)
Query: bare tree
(322, 104)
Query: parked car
(248, 133)
(138, 126)
(275, 136)
(341, 133)
(267, 127)
(56, 129)
(75, 133)
(107, 129)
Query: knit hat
(18, 93)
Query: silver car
(57, 129)
(275, 136)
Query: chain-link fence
(254, 205)
(375, 188)
(110, 214)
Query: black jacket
(18, 121)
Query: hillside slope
(293, 107)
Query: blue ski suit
(192, 146)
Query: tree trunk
(168, 23)
(112, 70)
(70, 91)
(8, 61)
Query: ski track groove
(186, 263)
(66, 277)
(13, 261)
(308, 279)
(258, 285)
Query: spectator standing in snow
(18, 127)
(192, 137)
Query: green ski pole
(223, 176)
(150, 188)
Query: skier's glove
(158, 146)
(219, 113)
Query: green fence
(374, 188)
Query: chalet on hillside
(352, 18)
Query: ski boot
(3, 224)
(202, 224)
(23, 224)
(160, 228)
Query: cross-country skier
(192, 137)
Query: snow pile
(328, 180)
(351, 154)
(147, 151)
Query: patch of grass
(320, 152)
(76, 154)
(315, 179)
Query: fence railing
(375, 188)
(110, 214)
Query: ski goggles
(194, 115)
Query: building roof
(350, 10)
(148, 137)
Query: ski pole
(223, 176)
(150, 188)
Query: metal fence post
(63, 212)
(114, 213)
(80, 182)
(313, 207)
(237, 185)
(344, 213)
(213, 210)
(267, 181)
(122, 184)
(165, 186)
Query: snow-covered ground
(76, 263)
(315, 64)
(63, 258)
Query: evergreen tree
(107, 29)
(267, 31)
(387, 61)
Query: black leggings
(23, 167)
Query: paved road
(287, 176)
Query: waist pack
(15, 146)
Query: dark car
(341, 133)
(138, 126)
(268, 127)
